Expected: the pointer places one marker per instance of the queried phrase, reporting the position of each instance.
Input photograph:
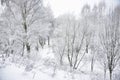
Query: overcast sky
(60, 7)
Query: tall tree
(29, 20)
(110, 40)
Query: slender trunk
(110, 71)
(28, 47)
(105, 68)
(23, 50)
(69, 59)
(61, 61)
(48, 40)
(80, 60)
(104, 73)
(70, 62)
(76, 60)
(92, 64)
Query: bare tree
(101, 58)
(73, 39)
(110, 41)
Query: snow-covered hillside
(37, 45)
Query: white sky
(60, 7)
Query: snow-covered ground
(15, 72)
(46, 69)
(12, 72)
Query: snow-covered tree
(72, 40)
(27, 21)
(110, 40)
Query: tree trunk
(48, 40)
(105, 72)
(110, 71)
(28, 47)
(61, 61)
(23, 50)
(92, 64)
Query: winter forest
(36, 45)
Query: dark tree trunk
(110, 71)
(92, 64)
(23, 50)
(48, 40)
(28, 48)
